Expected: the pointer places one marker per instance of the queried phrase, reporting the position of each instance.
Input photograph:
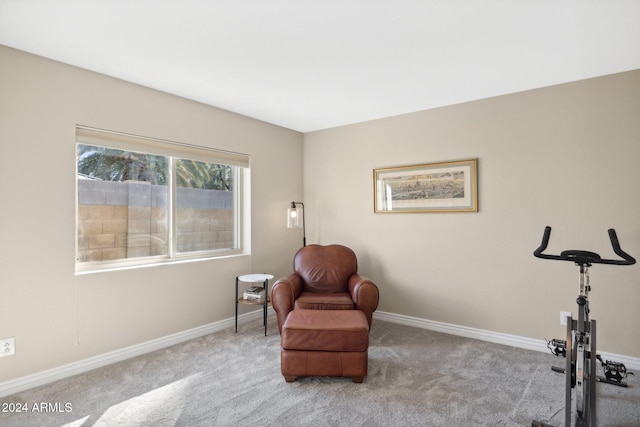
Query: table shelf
(252, 301)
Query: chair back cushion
(325, 269)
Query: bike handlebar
(585, 257)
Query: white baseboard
(632, 363)
(18, 385)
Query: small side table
(254, 278)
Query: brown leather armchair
(324, 278)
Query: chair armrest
(364, 294)
(283, 296)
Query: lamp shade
(295, 217)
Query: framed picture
(431, 187)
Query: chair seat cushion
(325, 330)
(318, 301)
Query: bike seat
(580, 257)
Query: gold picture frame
(431, 187)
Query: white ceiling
(315, 64)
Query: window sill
(101, 267)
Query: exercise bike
(579, 348)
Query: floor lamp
(295, 219)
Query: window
(142, 201)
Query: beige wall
(565, 156)
(57, 317)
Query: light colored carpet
(416, 377)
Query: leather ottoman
(325, 343)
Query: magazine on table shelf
(254, 293)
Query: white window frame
(172, 150)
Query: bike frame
(580, 371)
(581, 364)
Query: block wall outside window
(204, 219)
(118, 220)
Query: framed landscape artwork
(432, 187)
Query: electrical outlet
(563, 317)
(7, 347)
